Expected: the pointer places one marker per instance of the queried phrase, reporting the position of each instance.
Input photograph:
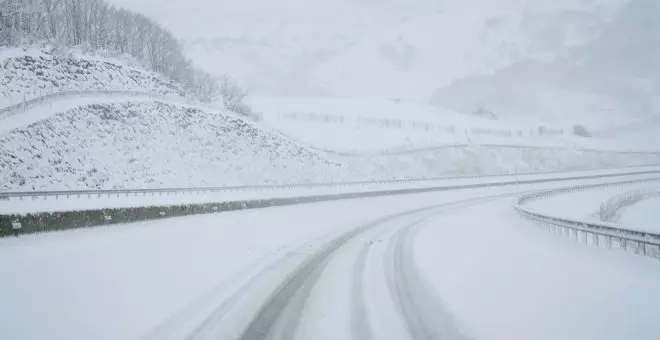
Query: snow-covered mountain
(350, 48)
(394, 48)
(612, 79)
(530, 60)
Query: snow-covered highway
(454, 264)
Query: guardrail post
(609, 241)
(596, 241)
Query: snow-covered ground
(504, 279)
(457, 264)
(75, 202)
(32, 72)
(373, 125)
(415, 144)
(645, 213)
(69, 129)
(482, 160)
(138, 144)
(585, 205)
(493, 275)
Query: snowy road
(445, 265)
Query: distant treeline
(96, 25)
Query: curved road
(359, 283)
(377, 251)
(457, 264)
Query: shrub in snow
(581, 131)
(38, 72)
(484, 113)
(106, 146)
(233, 98)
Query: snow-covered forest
(98, 26)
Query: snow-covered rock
(147, 145)
(31, 72)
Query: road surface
(445, 265)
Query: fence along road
(194, 194)
(597, 233)
(55, 214)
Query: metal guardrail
(596, 233)
(210, 190)
(30, 103)
(40, 100)
(610, 208)
(50, 221)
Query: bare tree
(97, 25)
(233, 96)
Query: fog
(375, 48)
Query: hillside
(486, 160)
(31, 72)
(149, 145)
(611, 80)
(384, 49)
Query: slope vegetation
(141, 145)
(26, 74)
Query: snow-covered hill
(146, 145)
(611, 80)
(31, 72)
(485, 160)
(393, 48)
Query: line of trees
(96, 25)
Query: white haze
(564, 62)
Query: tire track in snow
(265, 324)
(421, 308)
(359, 320)
(279, 314)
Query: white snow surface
(381, 125)
(585, 205)
(496, 274)
(645, 214)
(151, 144)
(76, 132)
(31, 72)
(503, 278)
